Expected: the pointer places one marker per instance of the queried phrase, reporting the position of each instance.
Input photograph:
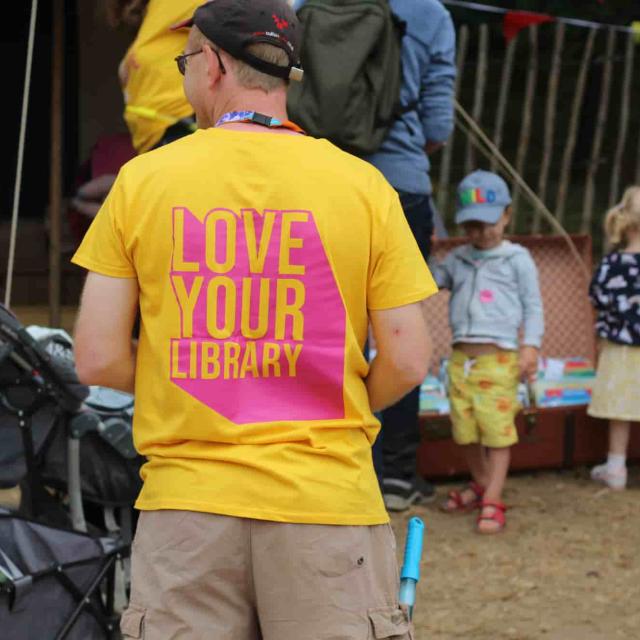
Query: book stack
(564, 382)
(433, 395)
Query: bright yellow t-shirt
(257, 255)
(153, 95)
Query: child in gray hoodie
(494, 296)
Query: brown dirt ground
(566, 568)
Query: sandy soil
(566, 568)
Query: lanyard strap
(258, 118)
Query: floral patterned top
(615, 293)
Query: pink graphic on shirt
(486, 296)
(262, 322)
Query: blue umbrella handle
(410, 573)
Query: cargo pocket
(132, 623)
(390, 623)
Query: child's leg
(465, 434)
(496, 407)
(478, 462)
(619, 431)
(470, 495)
(614, 471)
(498, 468)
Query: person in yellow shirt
(156, 109)
(258, 257)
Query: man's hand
(528, 363)
(431, 147)
(91, 195)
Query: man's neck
(272, 104)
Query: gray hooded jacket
(493, 295)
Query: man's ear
(214, 72)
(506, 214)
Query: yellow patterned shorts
(483, 393)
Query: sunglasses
(181, 60)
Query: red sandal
(460, 506)
(498, 516)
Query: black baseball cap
(235, 24)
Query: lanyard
(258, 118)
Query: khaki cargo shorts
(198, 576)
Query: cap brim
(487, 213)
(185, 24)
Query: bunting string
(541, 17)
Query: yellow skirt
(616, 392)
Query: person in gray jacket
(495, 295)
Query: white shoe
(613, 479)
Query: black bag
(351, 56)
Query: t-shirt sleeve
(103, 248)
(398, 274)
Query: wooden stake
(505, 86)
(55, 180)
(550, 120)
(576, 110)
(478, 98)
(614, 189)
(527, 116)
(601, 123)
(447, 152)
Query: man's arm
(437, 86)
(403, 353)
(91, 195)
(104, 351)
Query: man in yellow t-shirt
(258, 257)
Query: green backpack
(351, 56)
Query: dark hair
(127, 13)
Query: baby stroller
(69, 449)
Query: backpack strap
(400, 109)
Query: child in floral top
(615, 293)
